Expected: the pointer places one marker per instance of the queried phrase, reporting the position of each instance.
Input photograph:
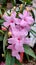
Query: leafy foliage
(4, 42)
(27, 2)
(3, 36)
(11, 60)
(13, 2)
(1, 21)
(29, 51)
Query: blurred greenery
(4, 2)
(27, 2)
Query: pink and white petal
(30, 20)
(6, 17)
(27, 41)
(19, 48)
(12, 40)
(6, 24)
(17, 20)
(23, 23)
(9, 47)
(21, 15)
(15, 54)
(18, 56)
(24, 32)
(25, 13)
(28, 27)
(13, 14)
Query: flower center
(19, 39)
(12, 21)
(24, 19)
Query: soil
(30, 63)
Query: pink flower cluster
(19, 28)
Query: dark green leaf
(33, 33)
(0, 12)
(13, 2)
(29, 51)
(28, 2)
(9, 59)
(12, 61)
(4, 41)
(1, 32)
(1, 21)
(1, 37)
(17, 62)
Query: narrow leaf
(1, 32)
(8, 58)
(4, 42)
(12, 61)
(1, 37)
(13, 2)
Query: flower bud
(9, 34)
(3, 55)
(4, 29)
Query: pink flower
(18, 30)
(9, 19)
(16, 54)
(16, 45)
(26, 19)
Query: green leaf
(26, 1)
(29, 51)
(3, 2)
(22, 1)
(1, 32)
(9, 59)
(12, 61)
(1, 37)
(1, 21)
(33, 33)
(5, 41)
(13, 2)
(17, 62)
(0, 12)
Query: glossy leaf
(9, 59)
(29, 51)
